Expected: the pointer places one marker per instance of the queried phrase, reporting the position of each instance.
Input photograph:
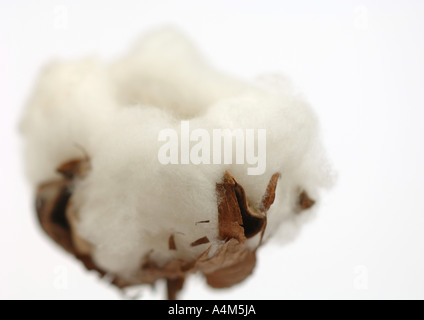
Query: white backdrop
(359, 63)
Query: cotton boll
(131, 214)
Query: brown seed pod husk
(231, 262)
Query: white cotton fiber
(165, 70)
(147, 201)
(130, 203)
(70, 101)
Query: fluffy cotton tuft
(129, 203)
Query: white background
(359, 63)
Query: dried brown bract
(231, 262)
